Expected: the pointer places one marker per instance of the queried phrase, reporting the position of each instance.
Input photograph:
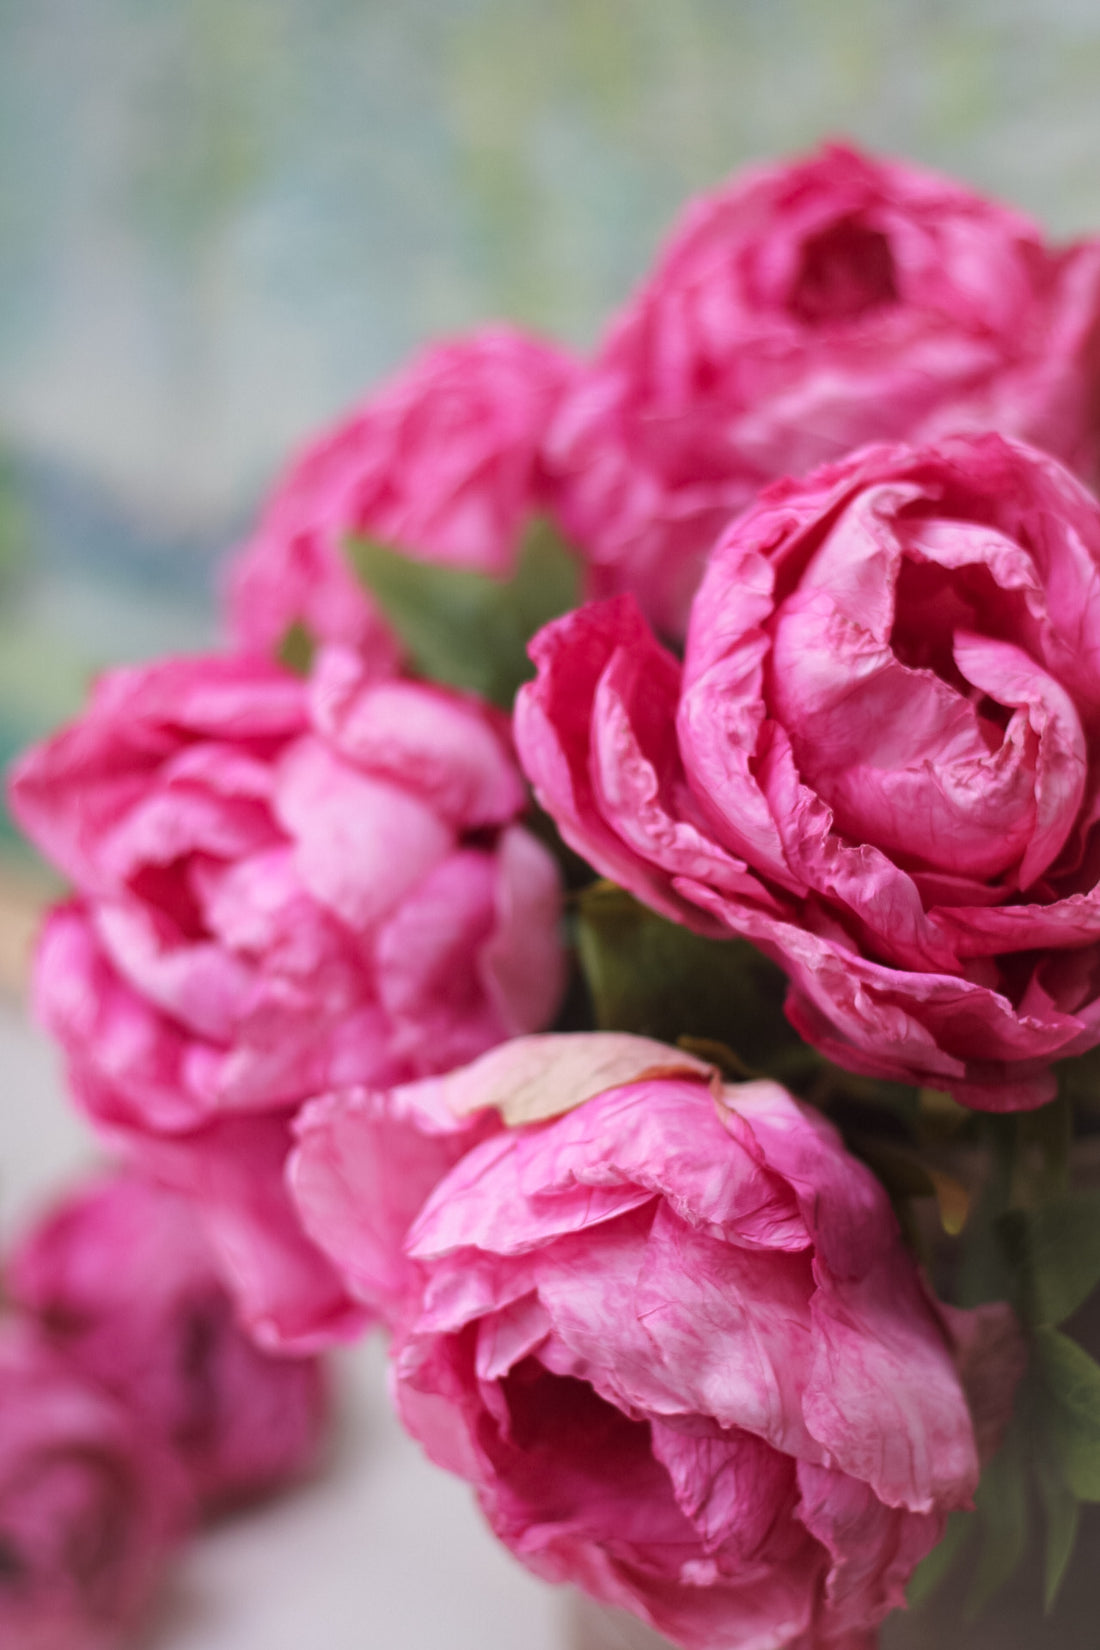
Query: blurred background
(220, 220)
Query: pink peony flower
(89, 1506)
(797, 312)
(875, 763)
(284, 886)
(443, 461)
(674, 1340)
(124, 1283)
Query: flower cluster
(827, 694)
(132, 1403)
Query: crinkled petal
(361, 843)
(438, 745)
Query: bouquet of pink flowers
(622, 913)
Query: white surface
(382, 1552)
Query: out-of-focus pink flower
(674, 1340)
(875, 762)
(90, 1505)
(233, 1173)
(800, 311)
(284, 886)
(124, 1283)
(443, 462)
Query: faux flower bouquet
(622, 913)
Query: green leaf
(987, 1271)
(1045, 1138)
(1062, 1513)
(466, 629)
(1001, 1504)
(297, 648)
(934, 1569)
(1069, 1410)
(653, 977)
(1056, 1247)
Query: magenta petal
(436, 744)
(288, 1295)
(363, 1165)
(73, 793)
(426, 960)
(635, 777)
(951, 1032)
(992, 931)
(483, 1206)
(926, 1457)
(522, 963)
(665, 1139)
(873, 1549)
(202, 986)
(553, 738)
(729, 1484)
(128, 1062)
(361, 843)
(733, 1329)
(1010, 676)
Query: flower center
(845, 271)
(914, 707)
(931, 603)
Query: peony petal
(364, 1163)
(437, 745)
(534, 1078)
(522, 964)
(287, 1293)
(876, 1353)
(128, 1062)
(553, 739)
(873, 1549)
(361, 844)
(636, 780)
(202, 986)
(729, 1484)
